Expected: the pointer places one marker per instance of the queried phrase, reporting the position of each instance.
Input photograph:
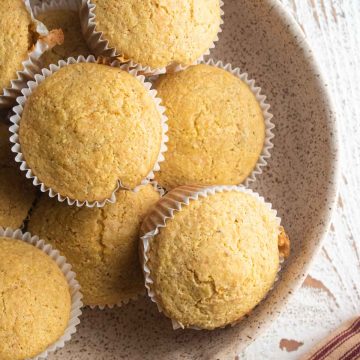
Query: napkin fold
(343, 344)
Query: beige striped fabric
(343, 344)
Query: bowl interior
(300, 181)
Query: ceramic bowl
(301, 181)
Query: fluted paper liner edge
(165, 209)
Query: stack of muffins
(133, 142)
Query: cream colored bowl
(300, 181)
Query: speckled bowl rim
(333, 181)
(70, 276)
(17, 111)
(333, 189)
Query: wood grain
(331, 294)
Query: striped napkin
(344, 344)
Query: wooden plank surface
(331, 293)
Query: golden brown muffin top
(16, 193)
(35, 300)
(16, 197)
(215, 260)
(101, 244)
(216, 128)
(159, 33)
(15, 39)
(87, 126)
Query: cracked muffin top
(15, 39)
(74, 43)
(35, 300)
(16, 192)
(101, 244)
(87, 126)
(216, 259)
(216, 128)
(136, 29)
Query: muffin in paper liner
(74, 287)
(97, 42)
(39, 78)
(165, 209)
(161, 192)
(32, 65)
(265, 107)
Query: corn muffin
(74, 42)
(215, 259)
(101, 244)
(16, 193)
(136, 29)
(35, 300)
(87, 126)
(216, 128)
(15, 39)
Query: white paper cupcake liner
(47, 6)
(158, 188)
(165, 209)
(74, 286)
(30, 66)
(97, 42)
(16, 118)
(119, 303)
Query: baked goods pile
(123, 140)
